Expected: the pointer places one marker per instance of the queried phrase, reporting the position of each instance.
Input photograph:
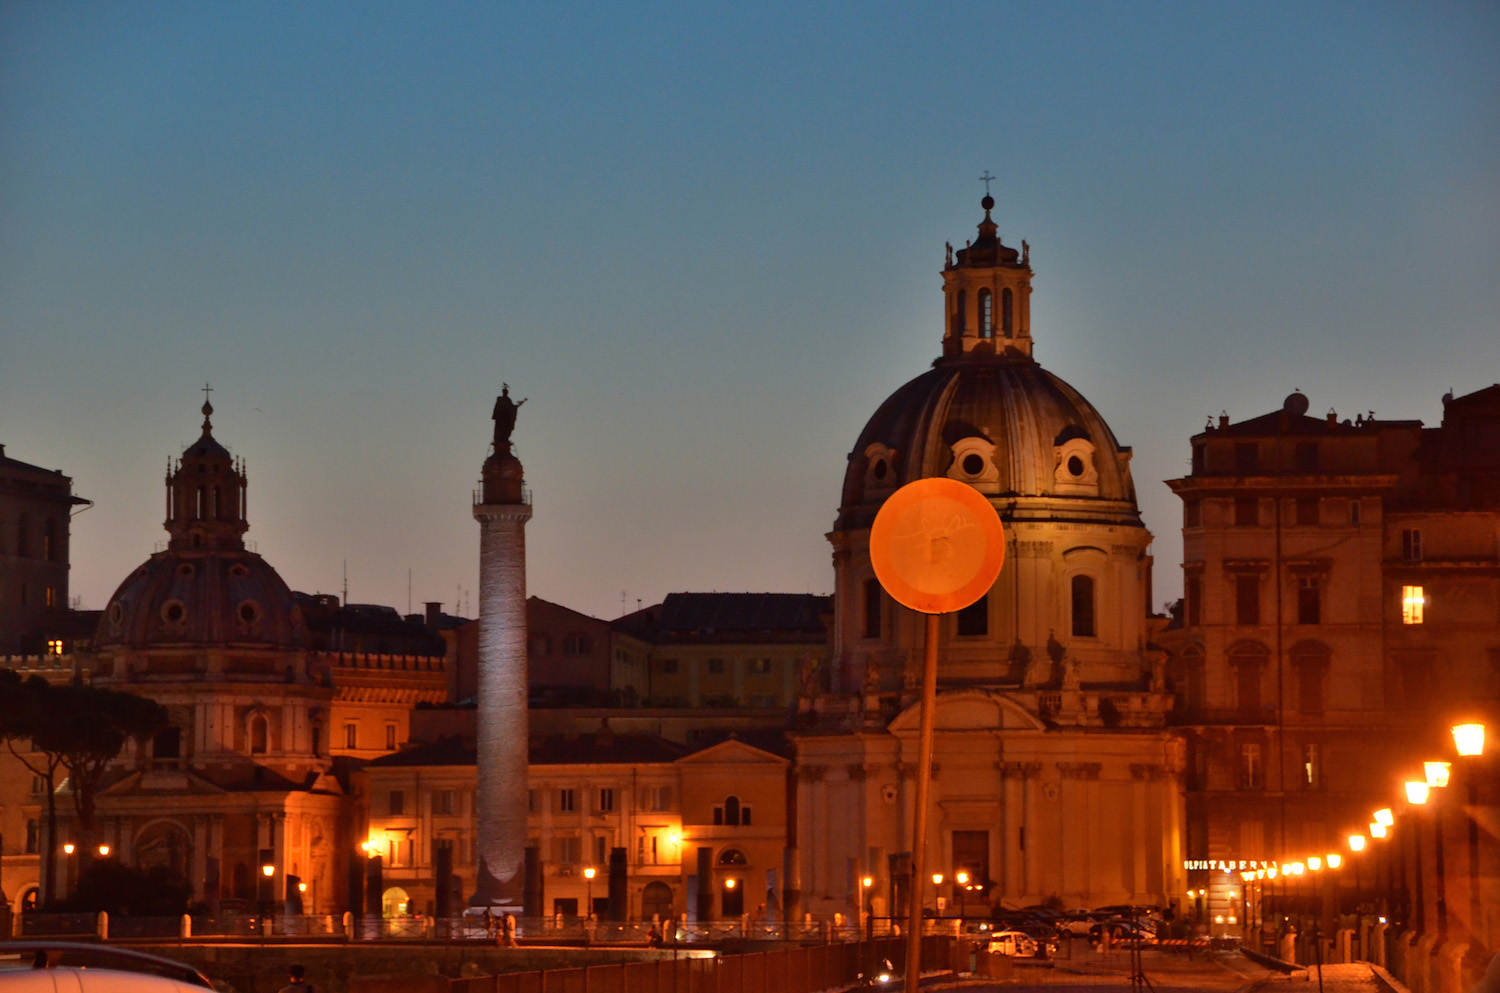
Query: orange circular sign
(937, 545)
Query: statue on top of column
(505, 417)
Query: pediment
(174, 782)
(734, 752)
(971, 710)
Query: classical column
(502, 510)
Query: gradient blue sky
(705, 241)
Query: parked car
(1120, 929)
(56, 966)
(1015, 943)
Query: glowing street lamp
(1469, 739)
(1314, 863)
(268, 871)
(1334, 860)
(1416, 791)
(1437, 773)
(1377, 830)
(103, 851)
(1356, 843)
(1384, 816)
(588, 875)
(68, 848)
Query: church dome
(987, 414)
(191, 598)
(206, 588)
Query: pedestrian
(296, 983)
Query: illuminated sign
(1225, 865)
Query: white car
(77, 967)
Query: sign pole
(919, 818)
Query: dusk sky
(705, 241)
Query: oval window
(1075, 465)
(185, 569)
(249, 612)
(173, 612)
(973, 464)
(879, 471)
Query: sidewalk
(1354, 977)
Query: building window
(873, 594)
(567, 800)
(1306, 455)
(960, 311)
(716, 667)
(531, 801)
(1312, 767)
(396, 803)
(1310, 689)
(1246, 511)
(1411, 544)
(1247, 598)
(606, 800)
(974, 620)
(351, 735)
(258, 735)
(1248, 661)
(1192, 592)
(731, 813)
(1246, 457)
(760, 667)
(658, 799)
(1309, 600)
(1251, 777)
(1307, 511)
(567, 850)
(1083, 606)
(1412, 603)
(49, 596)
(54, 646)
(577, 644)
(1007, 309)
(167, 744)
(443, 802)
(986, 314)
(33, 837)
(669, 667)
(601, 850)
(390, 737)
(1192, 513)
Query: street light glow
(68, 848)
(1384, 816)
(1437, 773)
(937, 879)
(588, 873)
(1469, 739)
(1356, 843)
(867, 882)
(1377, 830)
(268, 870)
(1416, 791)
(1314, 863)
(103, 850)
(1335, 860)
(962, 878)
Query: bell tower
(987, 295)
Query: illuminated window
(55, 646)
(1412, 602)
(986, 314)
(1312, 766)
(49, 596)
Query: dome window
(880, 469)
(249, 612)
(1076, 473)
(973, 463)
(1007, 309)
(986, 314)
(185, 569)
(173, 612)
(239, 569)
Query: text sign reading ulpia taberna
(1226, 865)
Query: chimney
(434, 613)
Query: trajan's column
(502, 508)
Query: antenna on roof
(346, 583)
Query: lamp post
(961, 877)
(1417, 791)
(1356, 845)
(588, 875)
(867, 885)
(1468, 739)
(937, 894)
(1437, 778)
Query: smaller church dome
(207, 588)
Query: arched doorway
(29, 900)
(656, 899)
(393, 902)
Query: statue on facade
(872, 677)
(505, 417)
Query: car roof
(131, 967)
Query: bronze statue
(505, 417)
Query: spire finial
(208, 408)
(986, 179)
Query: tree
(79, 729)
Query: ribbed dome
(202, 598)
(1003, 423)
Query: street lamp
(588, 875)
(961, 877)
(1468, 739)
(68, 848)
(867, 884)
(103, 851)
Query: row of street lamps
(1468, 739)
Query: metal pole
(919, 828)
